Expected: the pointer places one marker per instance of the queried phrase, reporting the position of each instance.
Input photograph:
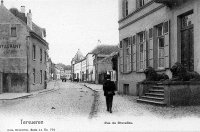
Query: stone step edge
(151, 97)
(154, 94)
(150, 101)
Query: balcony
(170, 3)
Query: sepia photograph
(99, 65)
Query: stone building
(86, 68)
(23, 52)
(100, 52)
(105, 66)
(156, 33)
(76, 66)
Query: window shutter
(130, 54)
(121, 56)
(137, 54)
(167, 42)
(155, 49)
(127, 56)
(134, 52)
(150, 48)
(145, 50)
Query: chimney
(29, 19)
(22, 9)
(1, 2)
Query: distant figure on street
(109, 92)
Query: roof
(35, 28)
(108, 59)
(105, 49)
(78, 57)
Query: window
(34, 76)
(150, 48)
(125, 8)
(45, 75)
(141, 3)
(126, 89)
(40, 55)
(34, 52)
(40, 76)
(45, 57)
(186, 21)
(13, 32)
(161, 46)
(141, 37)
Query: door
(187, 43)
(5, 83)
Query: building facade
(68, 74)
(90, 72)
(83, 70)
(156, 33)
(23, 52)
(99, 53)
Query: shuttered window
(150, 48)
(141, 51)
(167, 43)
(163, 45)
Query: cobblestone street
(81, 107)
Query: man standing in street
(109, 92)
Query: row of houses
(23, 52)
(93, 66)
(57, 71)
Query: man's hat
(107, 77)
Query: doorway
(187, 41)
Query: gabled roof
(105, 49)
(108, 59)
(78, 57)
(37, 31)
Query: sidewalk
(51, 86)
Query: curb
(25, 96)
(90, 88)
(32, 94)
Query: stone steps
(155, 95)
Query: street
(81, 107)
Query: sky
(73, 24)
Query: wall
(37, 64)
(13, 56)
(90, 68)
